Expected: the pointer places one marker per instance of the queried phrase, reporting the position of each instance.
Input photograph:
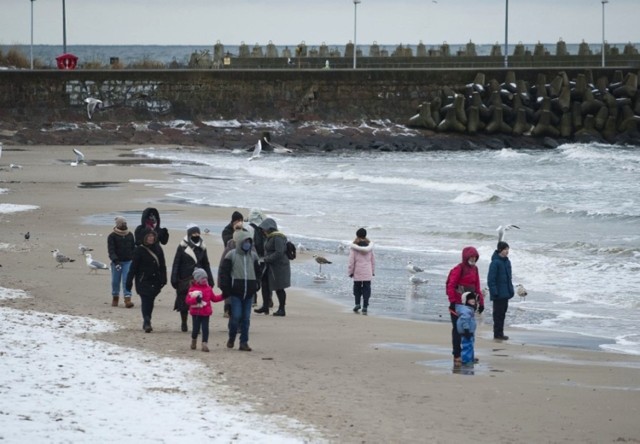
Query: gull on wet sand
(60, 258)
(79, 157)
(413, 268)
(502, 229)
(83, 249)
(92, 103)
(95, 265)
(415, 280)
(321, 261)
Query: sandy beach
(355, 379)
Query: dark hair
(502, 246)
(361, 233)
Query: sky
(289, 22)
(47, 394)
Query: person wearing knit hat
(361, 268)
(255, 218)
(120, 245)
(500, 288)
(236, 224)
(190, 254)
(199, 298)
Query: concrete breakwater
(35, 99)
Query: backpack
(291, 250)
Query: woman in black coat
(191, 253)
(149, 272)
(151, 219)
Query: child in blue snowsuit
(466, 326)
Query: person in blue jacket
(466, 325)
(500, 288)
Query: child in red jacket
(199, 298)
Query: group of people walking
(254, 258)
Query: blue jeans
(467, 353)
(198, 323)
(240, 316)
(118, 279)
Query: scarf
(120, 232)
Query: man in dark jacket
(500, 288)
(239, 281)
(149, 271)
(151, 219)
(227, 232)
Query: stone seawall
(38, 98)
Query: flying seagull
(15, 166)
(257, 149)
(413, 268)
(95, 265)
(321, 261)
(502, 229)
(277, 148)
(83, 249)
(91, 105)
(79, 157)
(61, 258)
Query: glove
(118, 267)
(481, 309)
(199, 299)
(467, 334)
(350, 275)
(452, 308)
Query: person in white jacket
(362, 269)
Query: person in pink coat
(199, 298)
(362, 269)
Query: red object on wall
(67, 61)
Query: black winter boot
(183, 315)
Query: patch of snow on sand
(14, 208)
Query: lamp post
(31, 51)
(355, 24)
(506, 35)
(604, 2)
(64, 28)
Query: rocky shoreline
(301, 137)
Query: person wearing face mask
(191, 253)
(237, 220)
(120, 245)
(239, 279)
(462, 278)
(500, 288)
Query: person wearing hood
(149, 272)
(239, 280)
(151, 219)
(500, 288)
(190, 254)
(255, 218)
(361, 268)
(462, 278)
(278, 267)
(120, 245)
(467, 327)
(237, 220)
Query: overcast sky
(287, 22)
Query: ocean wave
(473, 235)
(554, 210)
(508, 153)
(600, 152)
(468, 198)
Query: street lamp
(64, 28)
(355, 23)
(506, 35)
(604, 2)
(31, 52)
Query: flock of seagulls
(61, 259)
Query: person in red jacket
(463, 277)
(199, 298)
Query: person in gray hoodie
(239, 279)
(278, 267)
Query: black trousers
(146, 306)
(500, 307)
(455, 337)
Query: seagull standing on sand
(79, 157)
(413, 268)
(502, 229)
(257, 149)
(91, 105)
(95, 265)
(321, 261)
(520, 291)
(415, 280)
(61, 258)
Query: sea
(576, 252)
(181, 54)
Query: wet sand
(355, 378)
